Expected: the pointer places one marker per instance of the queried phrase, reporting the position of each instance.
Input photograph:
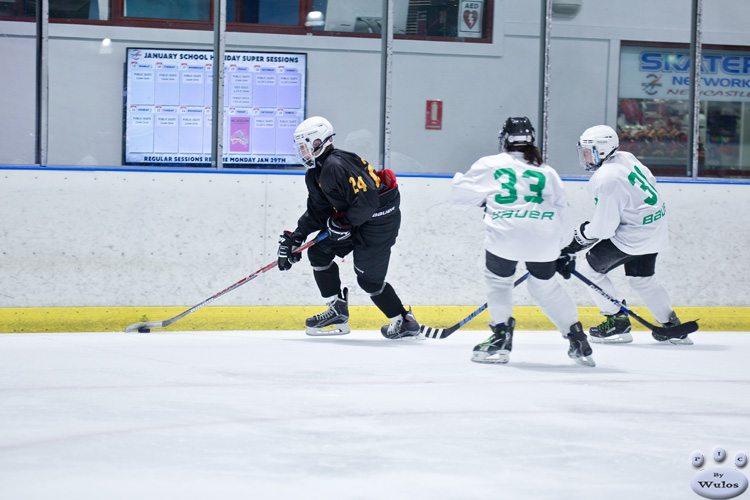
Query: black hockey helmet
(517, 131)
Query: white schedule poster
(168, 107)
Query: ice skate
(496, 349)
(666, 339)
(580, 351)
(614, 330)
(402, 327)
(334, 321)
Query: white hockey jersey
(524, 206)
(629, 209)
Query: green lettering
(533, 214)
(547, 215)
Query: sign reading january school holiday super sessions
(168, 107)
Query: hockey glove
(580, 241)
(337, 229)
(566, 264)
(288, 243)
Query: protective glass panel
(186, 10)
(421, 18)
(653, 106)
(651, 122)
(18, 98)
(725, 96)
(59, 9)
(275, 12)
(85, 81)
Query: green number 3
(510, 186)
(644, 185)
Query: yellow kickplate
(115, 319)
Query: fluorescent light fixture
(315, 18)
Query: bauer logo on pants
(715, 481)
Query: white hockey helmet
(311, 137)
(596, 145)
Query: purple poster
(239, 134)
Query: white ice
(279, 415)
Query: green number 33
(646, 186)
(509, 186)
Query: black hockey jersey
(344, 183)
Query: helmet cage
(588, 157)
(311, 139)
(307, 153)
(596, 146)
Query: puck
(143, 329)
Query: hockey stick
(668, 331)
(441, 333)
(146, 327)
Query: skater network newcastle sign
(664, 73)
(169, 98)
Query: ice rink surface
(279, 415)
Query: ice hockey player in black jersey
(359, 208)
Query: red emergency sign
(434, 115)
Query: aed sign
(470, 18)
(434, 115)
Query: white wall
(480, 84)
(117, 238)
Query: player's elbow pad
(580, 241)
(580, 236)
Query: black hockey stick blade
(677, 330)
(667, 331)
(147, 326)
(441, 333)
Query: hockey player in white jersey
(524, 207)
(628, 227)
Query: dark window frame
(117, 19)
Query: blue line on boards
(666, 180)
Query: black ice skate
(614, 330)
(580, 351)
(667, 339)
(402, 327)
(334, 321)
(496, 349)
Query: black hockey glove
(566, 264)
(337, 229)
(580, 241)
(288, 243)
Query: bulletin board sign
(168, 107)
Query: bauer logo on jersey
(522, 214)
(656, 216)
